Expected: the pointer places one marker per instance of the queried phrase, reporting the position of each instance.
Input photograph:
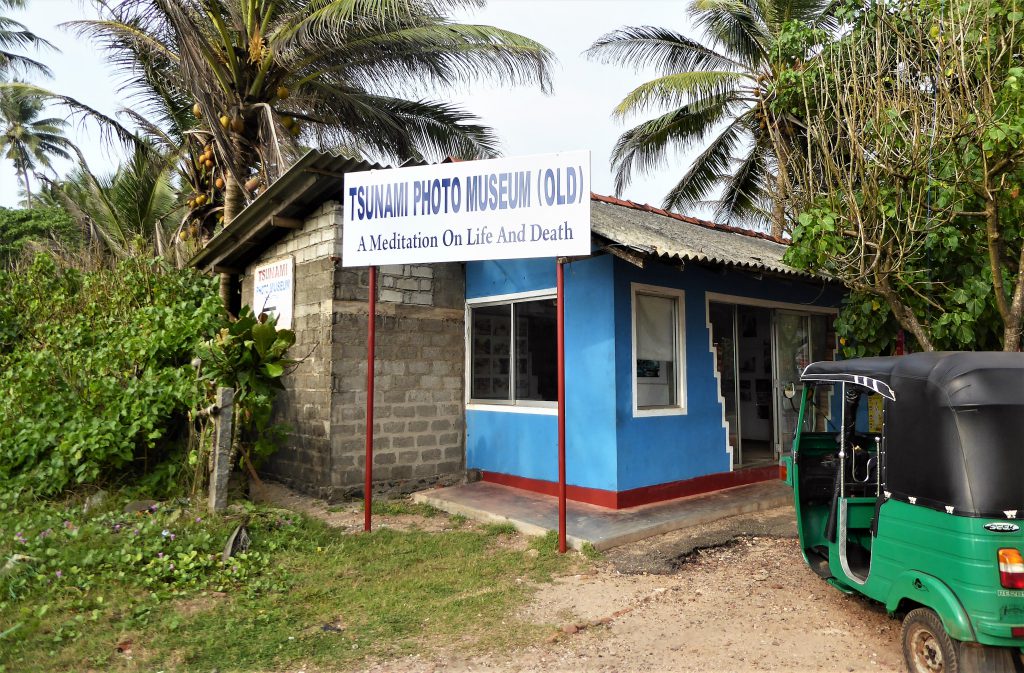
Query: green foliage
(21, 227)
(249, 356)
(402, 507)
(130, 212)
(957, 314)
(589, 552)
(716, 93)
(167, 550)
(303, 595)
(95, 372)
(27, 139)
(910, 192)
(498, 529)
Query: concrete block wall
(419, 414)
(419, 426)
(305, 461)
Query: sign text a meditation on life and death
(536, 206)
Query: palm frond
(442, 55)
(14, 35)
(663, 49)
(736, 26)
(647, 146)
(705, 173)
(745, 190)
(680, 89)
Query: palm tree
(133, 210)
(713, 93)
(266, 75)
(16, 35)
(28, 140)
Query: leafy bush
(167, 549)
(249, 356)
(95, 369)
(19, 227)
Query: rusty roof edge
(777, 268)
(707, 224)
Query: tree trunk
(905, 316)
(234, 202)
(995, 257)
(28, 187)
(778, 204)
(1014, 321)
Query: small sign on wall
(274, 290)
(876, 419)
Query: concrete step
(536, 514)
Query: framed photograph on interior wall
(648, 369)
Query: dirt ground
(734, 595)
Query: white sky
(576, 116)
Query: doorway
(761, 352)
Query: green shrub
(95, 369)
(19, 227)
(249, 356)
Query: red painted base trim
(640, 496)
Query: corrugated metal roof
(671, 237)
(311, 181)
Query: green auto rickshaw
(914, 498)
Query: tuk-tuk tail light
(1017, 631)
(1011, 568)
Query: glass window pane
(491, 343)
(656, 350)
(536, 351)
(655, 327)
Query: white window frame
(513, 405)
(679, 408)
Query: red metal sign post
(371, 339)
(560, 311)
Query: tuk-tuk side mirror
(786, 469)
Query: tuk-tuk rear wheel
(927, 648)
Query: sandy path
(747, 606)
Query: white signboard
(274, 290)
(537, 206)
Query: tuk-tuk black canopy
(954, 426)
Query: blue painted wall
(526, 444)
(607, 448)
(660, 449)
(507, 276)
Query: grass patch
(304, 594)
(504, 528)
(401, 507)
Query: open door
(799, 339)
(792, 337)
